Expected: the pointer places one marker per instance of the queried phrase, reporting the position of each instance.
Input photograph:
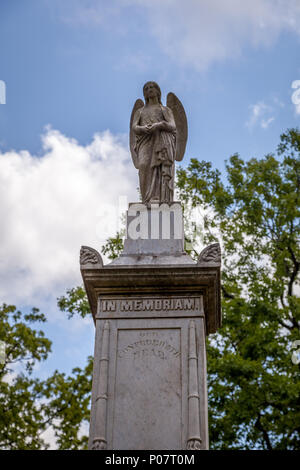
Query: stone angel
(158, 136)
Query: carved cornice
(174, 280)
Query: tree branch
(294, 272)
(260, 427)
(226, 294)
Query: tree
(254, 386)
(30, 406)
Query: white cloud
(263, 113)
(49, 434)
(99, 14)
(266, 122)
(52, 204)
(199, 33)
(257, 111)
(194, 32)
(49, 437)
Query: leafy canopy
(29, 407)
(254, 386)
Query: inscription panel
(143, 306)
(148, 389)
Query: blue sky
(73, 70)
(65, 67)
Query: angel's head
(151, 88)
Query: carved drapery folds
(158, 136)
(90, 256)
(194, 437)
(211, 255)
(100, 441)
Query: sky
(70, 72)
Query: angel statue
(158, 136)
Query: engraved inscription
(148, 389)
(142, 353)
(148, 347)
(150, 304)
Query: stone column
(153, 307)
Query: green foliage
(68, 406)
(254, 387)
(20, 415)
(75, 301)
(30, 406)
(113, 246)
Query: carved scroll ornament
(210, 255)
(89, 255)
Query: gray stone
(153, 305)
(148, 375)
(147, 393)
(210, 256)
(154, 235)
(158, 136)
(149, 379)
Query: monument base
(149, 379)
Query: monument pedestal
(151, 317)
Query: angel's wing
(137, 105)
(181, 124)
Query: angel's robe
(156, 154)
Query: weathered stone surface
(166, 280)
(152, 306)
(148, 388)
(158, 136)
(154, 235)
(153, 393)
(149, 379)
(89, 257)
(210, 256)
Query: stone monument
(153, 306)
